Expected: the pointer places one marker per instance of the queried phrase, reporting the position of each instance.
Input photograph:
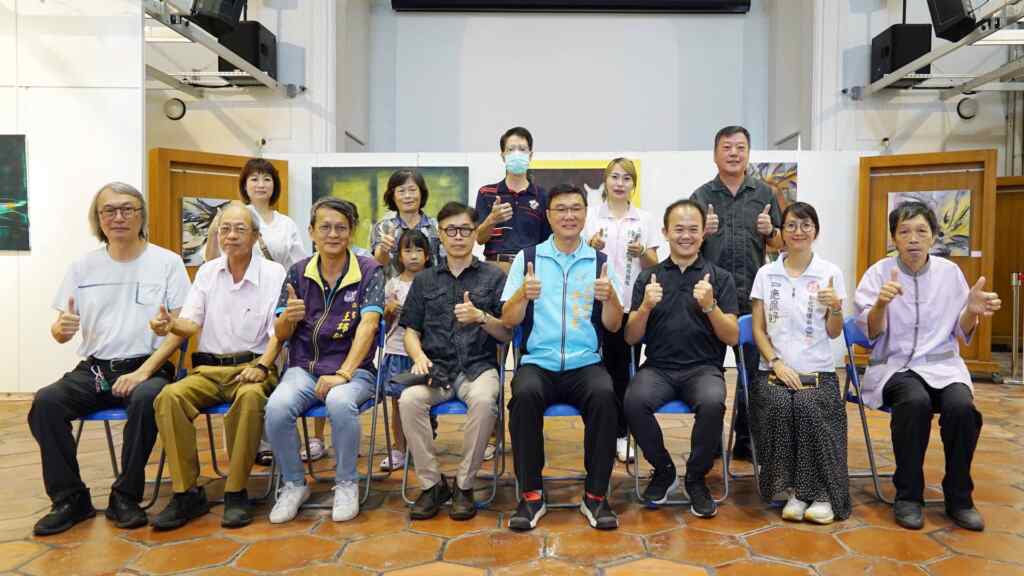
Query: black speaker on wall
(896, 47)
(217, 17)
(252, 41)
(953, 19)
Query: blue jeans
(296, 393)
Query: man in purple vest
(329, 313)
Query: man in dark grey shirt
(743, 220)
(452, 332)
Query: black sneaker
(663, 482)
(429, 503)
(237, 510)
(599, 513)
(125, 512)
(66, 513)
(463, 504)
(528, 513)
(184, 506)
(909, 514)
(702, 504)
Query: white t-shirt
(396, 289)
(636, 225)
(238, 317)
(794, 319)
(116, 300)
(281, 237)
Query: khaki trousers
(178, 405)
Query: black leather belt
(205, 359)
(501, 257)
(118, 365)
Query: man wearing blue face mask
(512, 211)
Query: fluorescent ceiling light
(1006, 36)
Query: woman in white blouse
(630, 238)
(800, 423)
(259, 186)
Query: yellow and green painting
(13, 193)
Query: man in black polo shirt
(451, 335)
(512, 212)
(685, 308)
(743, 220)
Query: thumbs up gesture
(466, 312)
(890, 289)
(500, 211)
(980, 302)
(597, 240)
(704, 293)
(295, 308)
(162, 322)
(764, 221)
(652, 294)
(827, 296)
(531, 284)
(69, 321)
(603, 288)
(711, 221)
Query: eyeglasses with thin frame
(805, 226)
(109, 212)
(326, 229)
(464, 231)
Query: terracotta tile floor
(745, 538)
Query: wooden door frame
(988, 159)
(165, 229)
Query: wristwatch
(710, 309)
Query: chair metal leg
(78, 433)
(309, 461)
(742, 386)
(110, 448)
(213, 447)
(156, 483)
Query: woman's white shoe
(820, 513)
(795, 510)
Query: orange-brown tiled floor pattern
(746, 537)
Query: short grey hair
(116, 188)
(254, 222)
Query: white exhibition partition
(826, 180)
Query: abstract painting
(14, 229)
(365, 187)
(585, 174)
(196, 216)
(952, 208)
(780, 177)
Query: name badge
(534, 204)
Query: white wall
(234, 121)
(913, 123)
(584, 82)
(71, 80)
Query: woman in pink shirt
(914, 308)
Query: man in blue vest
(560, 292)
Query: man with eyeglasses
(232, 301)
(109, 296)
(743, 220)
(329, 312)
(452, 332)
(511, 212)
(561, 294)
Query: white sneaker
(490, 451)
(346, 501)
(623, 450)
(291, 498)
(820, 513)
(316, 450)
(795, 510)
(395, 461)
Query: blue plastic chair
(743, 389)
(456, 407)
(109, 415)
(672, 407)
(854, 336)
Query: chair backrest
(853, 335)
(746, 330)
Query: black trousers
(616, 359)
(73, 396)
(590, 390)
(913, 402)
(752, 360)
(700, 387)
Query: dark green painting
(365, 187)
(13, 193)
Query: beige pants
(480, 396)
(178, 405)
